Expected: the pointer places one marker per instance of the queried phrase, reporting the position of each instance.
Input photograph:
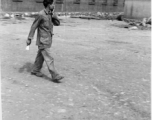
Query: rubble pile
(19, 16)
(82, 15)
(132, 23)
(97, 16)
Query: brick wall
(67, 6)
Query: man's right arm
(33, 28)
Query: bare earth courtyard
(106, 69)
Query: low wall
(137, 9)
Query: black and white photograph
(75, 59)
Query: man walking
(44, 24)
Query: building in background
(64, 5)
(137, 9)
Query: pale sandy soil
(106, 69)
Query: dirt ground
(106, 69)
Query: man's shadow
(28, 68)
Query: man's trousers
(44, 55)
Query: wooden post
(0, 6)
(62, 7)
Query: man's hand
(52, 7)
(28, 41)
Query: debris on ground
(133, 24)
(97, 16)
(133, 28)
(120, 17)
(20, 16)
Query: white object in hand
(27, 47)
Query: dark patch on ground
(117, 42)
(27, 67)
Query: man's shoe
(38, 74)
(57, 78)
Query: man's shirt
(43, 24)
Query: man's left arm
(55, 20)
